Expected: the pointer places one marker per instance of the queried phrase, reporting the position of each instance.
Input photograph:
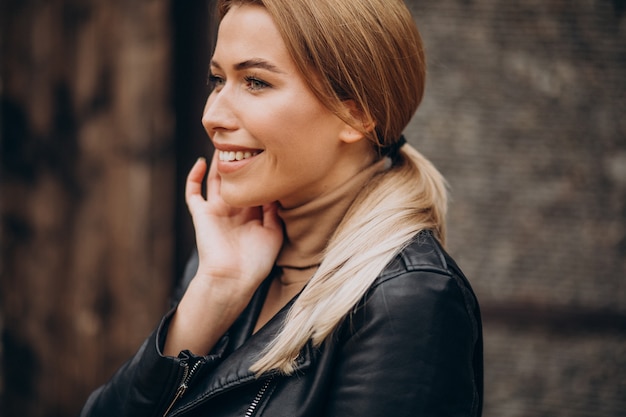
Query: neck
(309, 227)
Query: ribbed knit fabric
(309, 227)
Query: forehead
(247, 32)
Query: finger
(213, 179)
(271, 220)
(193, 186)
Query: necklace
(298, 275)
(299, 268)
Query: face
(276, 140)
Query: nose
(218, 113)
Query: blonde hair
(369, 52)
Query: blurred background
(524, 114)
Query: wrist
(206, 311)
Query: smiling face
(276, 140)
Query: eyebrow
(251, 63)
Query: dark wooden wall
(101, 105)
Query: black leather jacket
(413, 347)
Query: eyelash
(213, 80)
(260, 84)
(252, 83)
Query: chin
(240, 198)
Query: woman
(320, 287)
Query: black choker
(298, 268)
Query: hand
(237, 248)
(235, 245)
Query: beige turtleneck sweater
(308, 229)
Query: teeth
(230, 156)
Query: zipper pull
(184, 384)
(179, 393)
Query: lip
(229, 167)
(234, 148)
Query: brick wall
(524, 114)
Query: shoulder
(422, 257)
(418, 328)
(422, 280)
(422, 253)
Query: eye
(255, 84)
(215, 82)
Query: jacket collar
(234, 369)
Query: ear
(359, 124)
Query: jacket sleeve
(137, 385)
(414, 349)
(147, 383)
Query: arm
(236, 251)
(146, 383)
(411, 351)
(237, 248)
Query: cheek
(293, 124)
(280, 127)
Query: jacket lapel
(234, 370)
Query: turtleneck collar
(309, 227)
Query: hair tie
(392, 151)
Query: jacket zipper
(184, 384)
(259, 396)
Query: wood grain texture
(87, 194)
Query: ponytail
(399, 202)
